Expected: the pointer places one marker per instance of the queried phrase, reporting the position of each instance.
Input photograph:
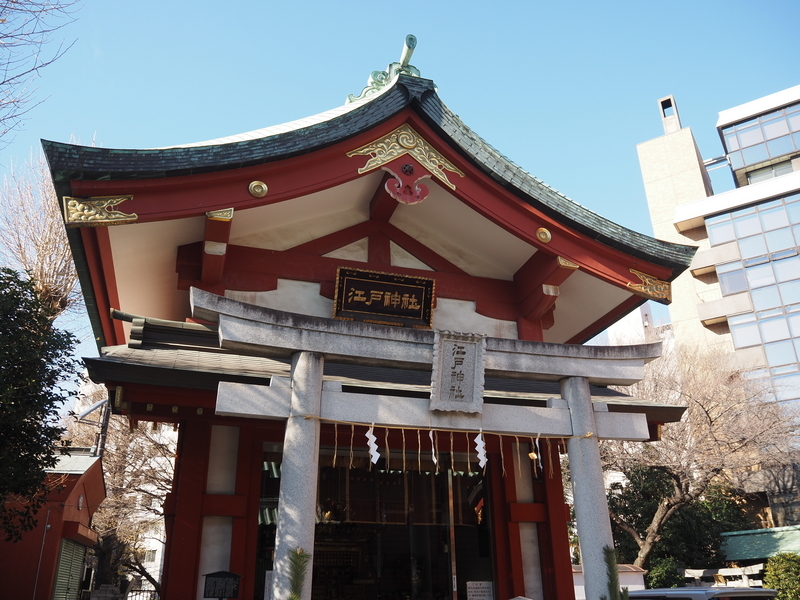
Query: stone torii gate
(458, 363)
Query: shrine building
(366, 326)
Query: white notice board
(480, 590)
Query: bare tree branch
(138, 465)
(27, 29)
(732, 426)
(33, 238)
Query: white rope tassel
(469, 466)
(335, 442)
(388, 452)
(352, 434)
(404, 449)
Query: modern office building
(742, 291)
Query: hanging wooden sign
(383, 298)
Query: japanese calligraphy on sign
(457, 377)
(383, 298)
(221, 584)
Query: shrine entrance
(391, 533)
(387, 533)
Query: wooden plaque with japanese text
(383, 298)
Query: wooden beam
(382, 205)
(216, 236)
(537, 284)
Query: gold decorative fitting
(96, 211)
(401, 141)
(543, 235)
(567, 264)
(651, 288)
(226, 214)
(258, 189)
(199, 411)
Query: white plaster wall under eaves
(144, 266)
(292, 222)
(467, 239)
(583, 299)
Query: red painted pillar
(183, 545)
(554, 540)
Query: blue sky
(564, 89)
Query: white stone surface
(457, 375)
(252, 401)
(297, 499)
(292, 296)
(622, 426)
(591, 511)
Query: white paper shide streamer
(480, 448)
(374, 455)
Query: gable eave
(69, 163)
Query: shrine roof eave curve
(70, 162)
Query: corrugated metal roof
(757, 544)
(76, 464)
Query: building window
(768, 237)
(770, 172)
(769, 136)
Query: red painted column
(514, 542)
(183, 545)
(240, 549)
(500, 519)
(557, 571)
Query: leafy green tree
(783, 574)
(36, 364)
(690, 538)
(663, 573)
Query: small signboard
(221, 584)
(480, 590)
(383, 298)
(457, 377)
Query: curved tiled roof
(69, 162)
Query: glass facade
(763, 138)
(768, 237)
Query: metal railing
(142, 595)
